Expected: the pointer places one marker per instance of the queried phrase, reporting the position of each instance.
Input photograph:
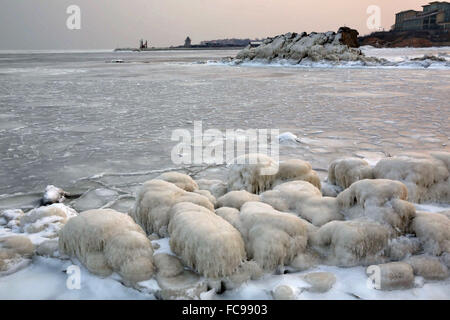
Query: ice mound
(11, 219)
(52, 195)
(296, 170)
(298, 48)
(344, 172)
(107, 241)
(15, 253)
(288, 137)
(393, 276)
(181, 180)
(272, 238)
(379, 200)
(257, 173)
(433, 230)
(185, 286)
(304, 200)
(154, 201)
(320, 282)
(253, 173)
(205, 242)
(47, 221)
(39, 224)
(351, 243)
(427, 177)
(428, 267)
(284, 292)
(236, 199)
(217, 187)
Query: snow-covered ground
(45, 278)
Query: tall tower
(187, 42)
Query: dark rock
(349, 37)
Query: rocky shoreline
(401, 39)
(222, 234)
(297, 48)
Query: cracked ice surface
(102, 129)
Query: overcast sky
(105, 24)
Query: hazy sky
(41, 24)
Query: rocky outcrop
(349, 37)
(303, 47)
(399, 39)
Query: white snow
(45, 278)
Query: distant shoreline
(178, 49)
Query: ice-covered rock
(253, 173)
(167, 265)
(344, 172)
(330, 190)
(392, 276)
(304, 200)
(320, 282)
(185, 286)
(46, 220)
(11, 218)
(236, 199)
(52, 195)
(208, 195)
(294, 47)
(15, 253)
(272, 238)
(379, 200)
(48, 248)
(351, 243)
(181, 180)
(155, 199)
(204, 241)
(427, 177)
(403, 247)
(232, 215)
(433, 230)
(283, 292)
(248, 270)
(257, 173)
(288, 137)
(107, 241)
(304, 261)
(428, 267)
(296, 170)
(217, 187)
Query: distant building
(226, 43)
(187, 42)
(435, 16)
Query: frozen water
(94, 199)
(57, 127)
(79, 122)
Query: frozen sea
(69, 115)
(80, 120)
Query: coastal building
(435, 16)
(187, 42)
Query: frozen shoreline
(65, 129)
